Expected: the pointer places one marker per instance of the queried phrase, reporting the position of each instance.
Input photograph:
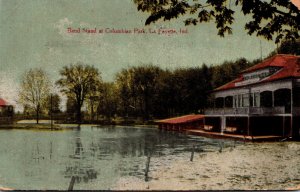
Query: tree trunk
(146, 106)
(92, 111)
(37, 114)
(78, 112)
(78, 115)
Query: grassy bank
(31, 126)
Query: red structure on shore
(182, 123)
(6, 112)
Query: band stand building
(263, 102)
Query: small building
(263, 101)
(182, 123)
(6, 112)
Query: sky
(34, 34)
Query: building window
(256, 100)
(245, 100)
(229, 101)
(296, 95)
(266, 99)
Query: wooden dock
(233, 136)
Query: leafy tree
(279, 19)
(137, 87)
(53, 102)
(228, 71)
(34, 91)
(124, 90)
(108, 101)
(165, 97)
(71, 108)
(145, 81)
(290, 47)
(287, 47)
(78, 81)
(191, 86)
(92, 102)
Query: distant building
(6, 112)
(263, 100)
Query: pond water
(96, 157)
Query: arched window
(282, 97)
(266, 99)
(229, 101)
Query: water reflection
(82, 171)
(95, 157)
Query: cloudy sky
(33, 33)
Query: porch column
(273, 99)
(283, 126)
(249, 132)
(223, 124)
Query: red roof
(182, 119)
(2, 102)
(290, 67)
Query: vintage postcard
(149, 95)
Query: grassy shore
(45, 125)
(30, 124)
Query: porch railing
(246, 111)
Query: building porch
(283, 126)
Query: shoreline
(63, 126)
(32, 126)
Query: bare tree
(34, 90)
(77, 82)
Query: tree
(279, 19)
(145, 81)
(137, 88)
(290, 47)
(108, 101)
(34, 91)
(53, 102)
(125, 90)
(70, 109)
(78, 81)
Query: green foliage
(77, 82)
(53, 102)
(108, 101)
(290, 47)
(228, 71)
(150, 92)
(287, 47)
(274, 20)
(136, 87)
